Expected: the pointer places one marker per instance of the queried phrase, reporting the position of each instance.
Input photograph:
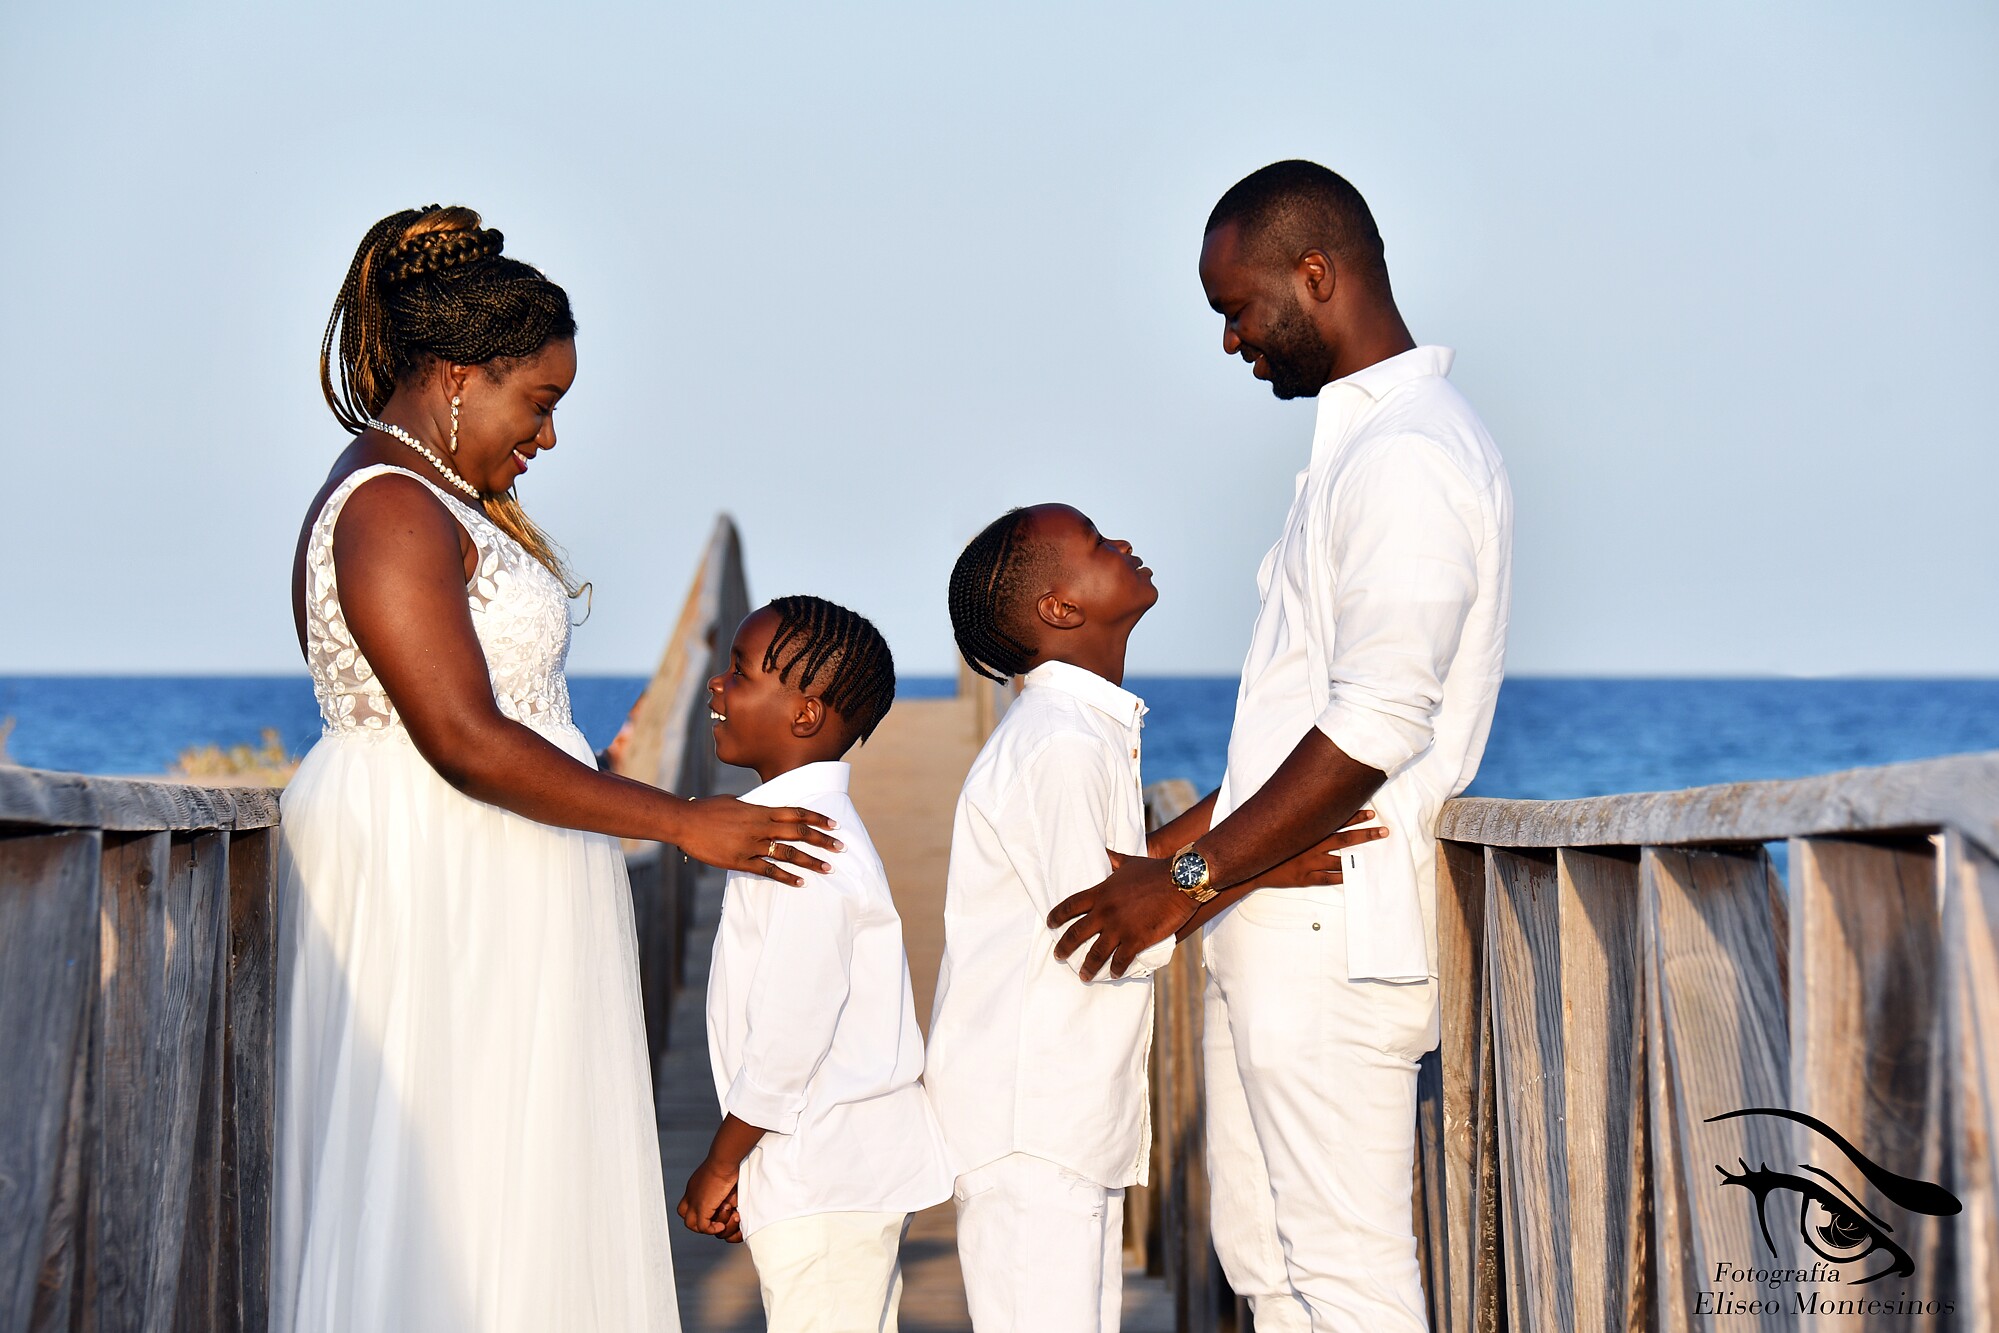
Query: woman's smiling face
(507, 413)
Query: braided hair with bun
(431, 285)
(990, 584)
(823, 637)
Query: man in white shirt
(828, 1142)
(1372, 673)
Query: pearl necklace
(450, 474)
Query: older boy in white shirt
(1040, 1078)
(828, 1143)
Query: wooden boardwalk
(905, 785)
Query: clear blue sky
(1721, 279)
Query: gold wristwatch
(1190, 873)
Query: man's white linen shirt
(812, 1031)
(1025, 1056)
(1383, 624)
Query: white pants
(1311, 1104)
(1041, 1247)
(831, 1272)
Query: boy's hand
(1321, 864)
(709, 1205)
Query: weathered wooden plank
(1601, 1025)
(1178, 1194)
(1969, 880)
(1454, 1236)
(1189, 1262)
(1867, 1029)
(48, 920)
(1726, 1049)
(250, 1055)
(1641, 1251)
(1671, 1272)
(38, 798)
(163, 913)
(59, 1287)
(1523, 961)
(1488, 1239)
(1961, 791)
(199, 1289)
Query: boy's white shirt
(812, 1032)
(1024, 1055)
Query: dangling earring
(454, 423)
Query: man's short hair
(1290, 207)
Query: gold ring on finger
(771, 851)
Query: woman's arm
(402, 587)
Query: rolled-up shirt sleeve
(1398, 577)
(802, 978)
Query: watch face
(1189, 868)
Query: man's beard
(1297, 357)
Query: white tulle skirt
(465, 1125)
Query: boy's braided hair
(815, 636)
(987, 619)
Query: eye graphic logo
(1830, 1219)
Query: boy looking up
(828, 1143)
(1038, 1077)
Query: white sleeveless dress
(465, 1127)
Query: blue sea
(1551, 738)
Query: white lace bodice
(519, 611)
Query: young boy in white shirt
(1039, 1077)
(828, 1142)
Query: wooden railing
(137, 957)
(670, 746)
(1620, 977)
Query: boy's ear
(810, 718)
(1057, 611)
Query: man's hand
(1139, 905)
(1136, 908)
(709, 1205)
(1320, 864)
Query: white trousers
(1041, 1247)
(831, 1272)
(1311, 1104)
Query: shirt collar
(1338, 411)
(1116, 702)
(802, 783)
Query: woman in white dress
(465, 1126)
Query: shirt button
(1315, 925)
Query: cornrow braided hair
(822, 637)
(986, 585)
(430, 284)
